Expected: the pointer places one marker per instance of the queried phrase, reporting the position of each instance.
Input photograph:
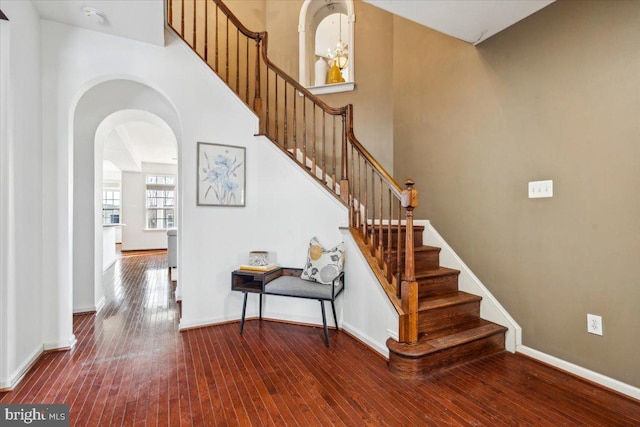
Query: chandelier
(340, 55)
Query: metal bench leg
(244, 309)
(260, 296)
(335, 318)
(324, 324)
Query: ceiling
(130, 137)
(141, 20)
(468, 20)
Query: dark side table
(248, 281)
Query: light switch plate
(540, 189)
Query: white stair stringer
(307, 162)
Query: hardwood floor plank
(132, 367)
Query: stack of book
(261, 268)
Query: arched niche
(311, 15)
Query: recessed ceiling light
(95, 15)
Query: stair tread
(428, 344)
(440, 271)
(446, 300)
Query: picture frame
(221, 175)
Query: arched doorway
(97, 104)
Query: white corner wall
(21, 196)
(133, 213)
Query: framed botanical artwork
(221, 175)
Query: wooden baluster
(206, 32)
(195, 45)
(237, 61)
(365, 211)
(380, 250)
(324, 153)
(352, 191)
(359, 203)
(246, 72)
(304, 131)
(333, 161)
(344, 181)
(295, 125)
(275, 97)
(389, 238)
(351, 180)
(286, 117)
(408, 332)
(217, 31)
(267, 106)
(257, 100)
(399, 252)
(182, 20)
(373, 212)
(226, 61)
(313, 146)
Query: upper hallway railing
(318, 137)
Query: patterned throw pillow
(323, 265)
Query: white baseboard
(366, 339)
(16, 377)
(61, 345)
(100, 305)
(585, 373)
(213, 321)
(202, 323)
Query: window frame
(113, 187)
(167, 221)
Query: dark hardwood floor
(132, 367)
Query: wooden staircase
(439, 326)
(450, 330)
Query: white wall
(135, 236)
(284, 207)
(21, 196)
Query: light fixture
(95, 15)
(340, 55)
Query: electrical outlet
(540, 189)
(594, 324)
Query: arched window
(326, 30)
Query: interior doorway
(125, 122)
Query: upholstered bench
(322, 279)
(287, 282)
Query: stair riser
(414, 368)
(417, 238)
(437, 285)
(424, 261)
(440, 318)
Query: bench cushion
(296, 287)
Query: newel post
(409, 287)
